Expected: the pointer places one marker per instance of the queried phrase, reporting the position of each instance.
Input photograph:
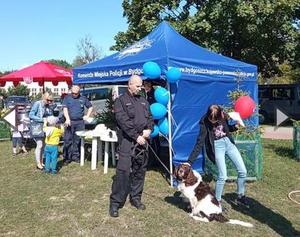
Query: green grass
(75, 202)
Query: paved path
(285, 133)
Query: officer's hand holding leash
(146, 133)
(141, 140)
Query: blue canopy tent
(206, 78)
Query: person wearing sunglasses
(215, 137)
(40, 110)
(73, 109)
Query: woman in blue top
(39, 111)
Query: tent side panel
(190, 102)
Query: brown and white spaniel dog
(205, 206)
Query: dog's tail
(238, 222)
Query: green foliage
(60, 62)
(3, 93)
(264, 33)
(36, 97)
(235, 94)
(287, 75)
(18, 90)
(4, 127)
(251, 131)
(296, 123)
(107, 116)
(4, 73)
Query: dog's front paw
(188, 208)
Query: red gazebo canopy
(39, 72)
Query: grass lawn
(75, 202)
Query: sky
(35, 30)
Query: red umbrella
(40, 72)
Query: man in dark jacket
(135, 121)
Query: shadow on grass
(264, 215)
(59, 165)
(284, 151)
(179, 202)
(281, 151)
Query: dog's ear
(175, 172)
(191, 179)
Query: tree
(3, 93)
(264, 33)
(107, 116)
(87, 51)
(4, 73)
(60, 62)
(18, 90)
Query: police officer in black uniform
(73, 108)
(135, 122)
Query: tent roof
(41, 71)
(168, 48)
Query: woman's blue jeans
(225, 146)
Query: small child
(53, 133)
(17, 139)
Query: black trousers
(130, 179)
(71, 148)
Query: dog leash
(292, 199)
(156, 156)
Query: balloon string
(167, 141)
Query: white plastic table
(82, 135)
(108, 140)
(97, 151)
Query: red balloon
(245, 105)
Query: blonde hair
(47, 95)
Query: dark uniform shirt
(76, 106)
(150, 96)
(133, 115)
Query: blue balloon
(163, 126)
(155, 131)
(158, 110)
(173, 75)
(151, 70)
(161, 95)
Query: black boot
(113, 211)
(138, 205)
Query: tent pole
(170, 136)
